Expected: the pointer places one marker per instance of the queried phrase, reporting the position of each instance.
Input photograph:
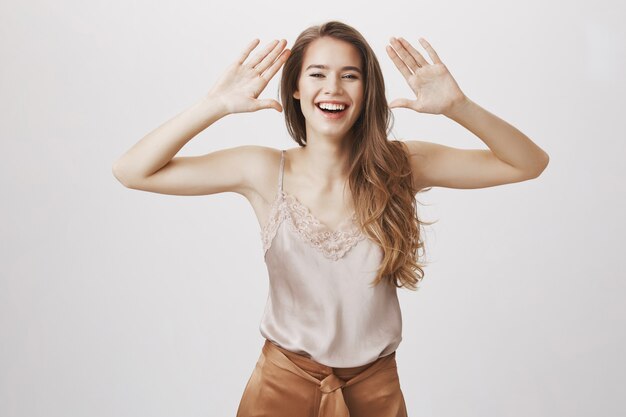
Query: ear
(296, 95)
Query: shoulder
(262, 170)
(417, 153)
(261, 156)
(414, 148)
(263, 160)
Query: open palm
(241, 84)
(435, 89)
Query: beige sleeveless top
(320, 302)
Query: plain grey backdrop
(116, 302)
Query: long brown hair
(380, 174)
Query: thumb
(268, 103)
(399, 102)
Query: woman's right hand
(241, 84)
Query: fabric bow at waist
(331, 386)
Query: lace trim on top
(332, 244)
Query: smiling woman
(338, 213)
(328, 359)
(334, 64)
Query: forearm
(159, 146)
(505, 141)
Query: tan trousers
(286, 384)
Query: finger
(406, 72)
(268, 103)
(247, 51)
(271, 71)
(431, 52)
(408, 59)
(259, 55)
(269, 59)
(400, 102)
(414, 52)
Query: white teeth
(329, 106)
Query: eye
(347, 75)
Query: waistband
(330, 380)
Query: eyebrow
(349, 67)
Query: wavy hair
(379, 174)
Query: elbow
(117, 173)
(126, 176)
(543, 166)
(546, 161)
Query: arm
(506, 143)
(511, 157)
(158, 147)
(150, 164)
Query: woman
(337, 213)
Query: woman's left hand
(435, 89)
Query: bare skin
(512, 156)
(316, 175)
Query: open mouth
(333, 113)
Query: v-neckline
(346, 224)
(333, 243)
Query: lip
(333, 102)
(332, 116)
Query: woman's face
(340, 80)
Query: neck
(325, 164)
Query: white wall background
(116, 302)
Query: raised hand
(435, 89)
(240, 85)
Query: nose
(332, 85)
